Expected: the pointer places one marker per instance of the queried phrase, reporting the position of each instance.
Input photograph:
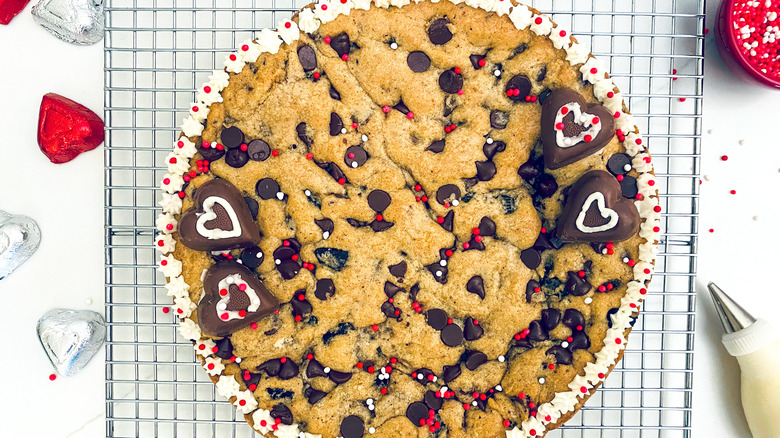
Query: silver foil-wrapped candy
(19, 238)
(71, 338)
(75, 21)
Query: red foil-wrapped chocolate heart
(11, 8)
(66, 128)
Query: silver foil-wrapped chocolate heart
(19, 238)
(74, 21)
(71, 338)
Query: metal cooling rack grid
(158, 51)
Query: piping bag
(757, 349)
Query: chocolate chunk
(211, 154)
(251, 257)
(341, 44)
(313, 199)
(617, 164)
(436, 147)
(519, 50)
(401, 107)
(576, 285)
(333, 258)
(580, 341)
(334, 171)
(398, 269)
(283, 413)
(499, 119)
(537, 333)
(307, 57)
(628, 186)
(476, 61)
(531, 258)
(267, 188)
(474, 244)
(474, 359)
(335, 124)
(324, 289)
(491, 149)
(448, 221)
(436, 318)
(379, 226)
(315, 369)
(351, 427)
(288, 268)
(339, 377)
(439, 272)
(450, 104)
(546, 185)
(304, 135)
(518, 88)
(314, 395)
(531, 288)
(236, 158)
(271, 367)
(342, 329)
(562, 355)
(476, 286)
(550, 318)
(542, 74)
(611, 312)
(413, 292)
(232, 137)
(451, 372)
(278, 393)
(378, 200)
(481, 404)
(472, 330)
(439, 33)
(389, 310)
(487, 227)
(334, 93)
(258, 150)
(432, 401)
(528, 171)
(300, 307)
(452, 335)
(450, 82)
(224, 349)
(486, 170)
(391, 289)
(524, 343)
(326, 225)
(355, 156)
(508, 204)
(289, 369)
(253, 206)
(416, 412)
(573, 319)
(418, 61)
(447, 193)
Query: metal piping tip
(733, 317)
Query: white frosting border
(522, 17)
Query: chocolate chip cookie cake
(408, 218)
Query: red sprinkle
(52, 377)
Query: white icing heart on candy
(605, 212)
(580, 118)
(209, 214)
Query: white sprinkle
(489, 140)
(343, 130)
(307, 192)
(279, 196)
(567, 141)
(278, 262)
(370, 401)
(583, 118)
(625, 260)
(238, 360)
(394, 46)
(443, 262)
(221, 306)
(256, 301)
(588, 300)
(564, 344)
(239, 262)
(438, 273)
(419, 377)
(627, 167)
(742, 142)
(435, 379)
(705, 177)
(710, 131)
(259, 255)
(474, 403)
(455, 202)
(497, 73)
(755, 218)
(325, 235)
(364, 137)
(213, 144)
(541, 380)
(354, 164)
(604, 251)
(371, 407)
(501, 358)
(499, 388)
(89, 301)
(371, 430)
(326, 370)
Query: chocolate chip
(401, 107)
(438, 271)
(379, 226)
(628, 186)
(436, 147)
(416, 412)
(315, 369)
(491, 149)
(224, 348)
(487, 227)
(251, 257)
(546, 185)
(544, 95)
(398, 269)
(258, 150)
(450, 103)
(499, 119)
(436, 318)
(531, 288)
(314, 395)
(324, 289)
(470, 182)
(355, 156)
(450, 82)
(432, 401)
(307, 57)
(288, 268)
(236, 158)
(486, 170)
(304, 135)
(562, 355)
(326, 225)
(267, 188)
(232, 137)
(476, 286)
(253, 206)
(550, 318)
(531, 258)
(524, 343)
(211, 154)
(452, 335)
(333, 258)
(617, 164)
(418, 61)
(471, 330)
(519, 50)
(391, 289)
(518, 88)
(475, 61)
(300, 307)
(378, 200)
(422, 375)
(334, 171)
(451, 372)
(543, 242)
(341, 44)
(283, 413)
(334, 93)
(536, 332)
(279, 393)
(271, 367)
(339, 377)
(576, 285)
(289, 370)
(284, 252)
(474, 359)
(335, 124)
(413, 292)
(528, 171)
(389, 310)
(573, 318)
(439, 33)
(580, 341)
(447, 193)
(475, 245)
(542, 74)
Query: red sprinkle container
(729, 47)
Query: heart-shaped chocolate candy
(596, 211)
(71, 338)
(19, 239)
(573, 129)
(233, 298)
(220, 219)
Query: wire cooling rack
(158, 51)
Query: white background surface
(67, 201)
